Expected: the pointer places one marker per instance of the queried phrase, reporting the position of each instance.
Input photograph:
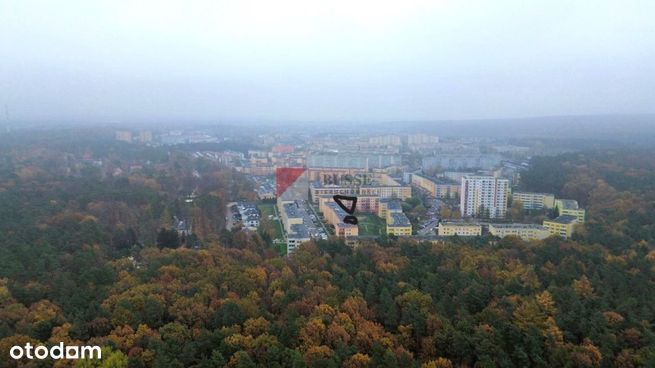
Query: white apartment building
(483, 196)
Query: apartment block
(563, 226)
(380, 185)
(534, 201)
(398, 224)
(435, 188)
(388, 205)
(570, 207)
(483, 196)
(459, 228)
(334, 216)
(523, 231)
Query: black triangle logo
(339, 200)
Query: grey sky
(325, 60)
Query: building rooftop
(532, 193)
(568, 204)
(564, 219)
(338, 210)
(394, 204)
(454, 223)
(518, 226)
(291, 210)
(399, 219)
(299, 231)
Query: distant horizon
(269, 121)
(337, 61)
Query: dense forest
(79, 263)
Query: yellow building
(377, 185)
(334, 216)
(344, 230)
(459, 228)
(534, 201)
(434, 188)
(289, 214)
(424, 183)
(398, 224)
(569, 207)
(388, 205)
(562, 226)
(523, 231)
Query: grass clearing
(370, 224)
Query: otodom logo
(59, 351)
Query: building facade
(534, 201)
(523, 231)
(459, 228)
(483, 196)
(398, 224)
(562, 226)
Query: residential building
(334, 216)
(385, 140)
(377, 185)
(398, 224)
(353, 160)
(483, 196)
(462, 161)
(459, 229)
(298, 234)
(562, 226)
(436, 188)
(289, 214)
(421, 139)
(388, 205)
(534, 201)
(523, 231)
(570, 207)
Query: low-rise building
(523, 231)
(376, 185)
(334, 216)
(570, 207)
(398, 224)
(436, 188)
(388, 205)
(297, 235)
(563, 226)
(459, 229)
(534, 201)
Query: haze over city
(125, 61)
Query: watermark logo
(291, 183)
(60, 351)
(350, 210)
(347, 180)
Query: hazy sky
(325, 60)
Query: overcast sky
(342, 60)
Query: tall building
(483, 196)
(385, 140)
(421, 139)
